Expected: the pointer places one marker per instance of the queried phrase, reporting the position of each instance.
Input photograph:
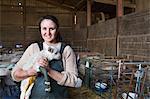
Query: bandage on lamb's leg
(47, 81)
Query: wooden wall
(19, 23)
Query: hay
(83, 93)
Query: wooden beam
(80, 2)
(58, 4)
(113, 2)
(80, 5)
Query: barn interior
(111, 39)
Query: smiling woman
(49, 28)
(48, 31)
(62, 72)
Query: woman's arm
(55, 74)
(68, 77)
(18, 73)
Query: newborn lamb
(27, 84)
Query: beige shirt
(69, 63)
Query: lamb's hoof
(48, 89)
(47, 83)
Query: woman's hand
(31, 72)
(43, 62)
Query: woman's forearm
(20, 74)
(55, 74)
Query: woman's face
(48, 31)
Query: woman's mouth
(48, 36)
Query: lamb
(27, 84)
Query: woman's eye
(44, 28)
(51, 28)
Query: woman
(62, 73)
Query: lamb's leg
(47, 81)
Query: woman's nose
(49, 31)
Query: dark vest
(57, 91)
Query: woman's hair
(50, 17)
(55, 20)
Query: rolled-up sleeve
(28, 52)
(70, 72)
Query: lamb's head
(51, 53)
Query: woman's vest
(57, 91)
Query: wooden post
(24, 19)
(119, 13)
(89, 12)
(119, 8)
(89, 3)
